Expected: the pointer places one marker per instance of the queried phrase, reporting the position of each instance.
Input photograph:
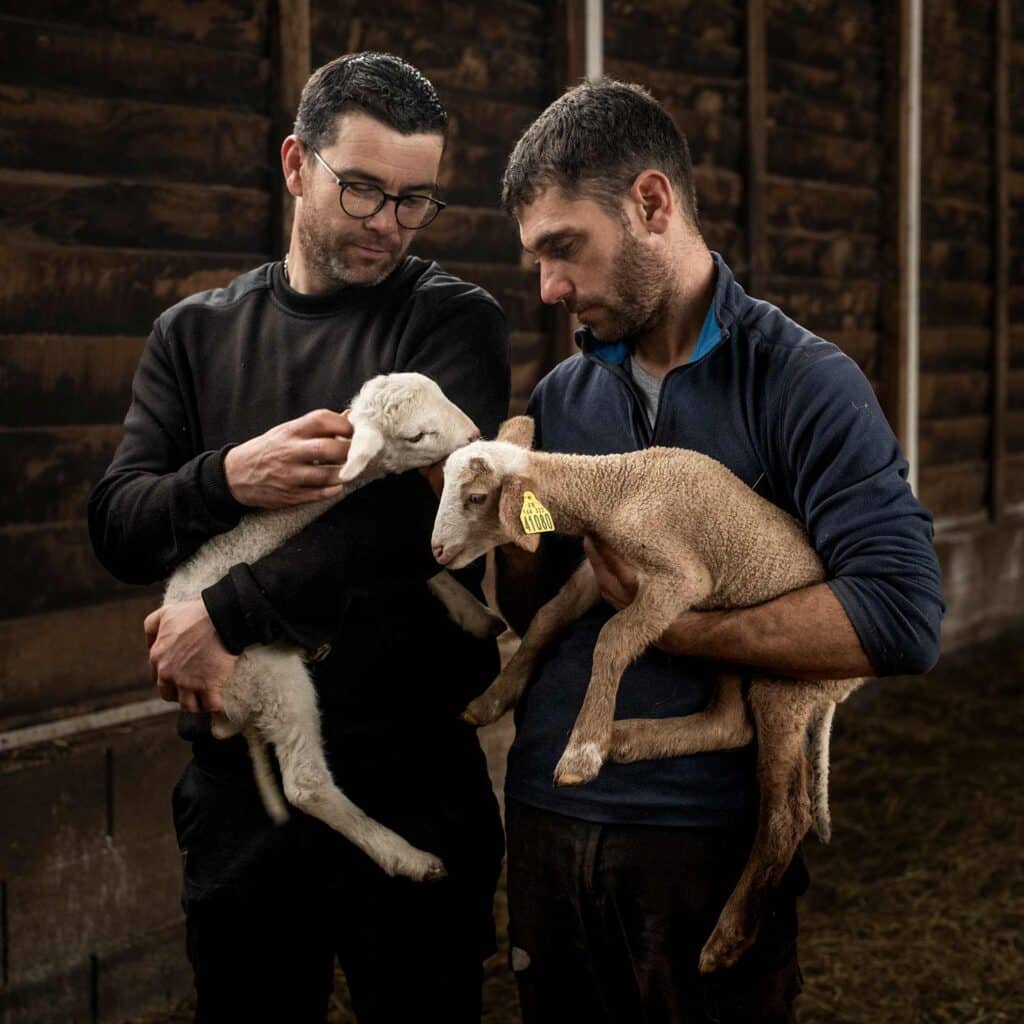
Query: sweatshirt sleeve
(848, 480)
(378, 537)
(158, 501)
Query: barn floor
(915, 911)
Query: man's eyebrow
(358, 174)
(551, 240)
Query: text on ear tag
(534, 516)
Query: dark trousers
(265, 961)
(269, 909)
(606, 924)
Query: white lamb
(400, 422)
(697, 537)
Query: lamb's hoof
(421, 867)
(482, 711)
(722, 950)
(435, 872)
(579, 764)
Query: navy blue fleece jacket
(793, 417)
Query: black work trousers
(606, 924)
(268, 910)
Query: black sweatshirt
(228, 364)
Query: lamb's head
(402, 421)
(484, 485)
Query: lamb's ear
(510, 504)
(367, 441)
(517, 430)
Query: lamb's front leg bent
(623, 638)
(579, 594)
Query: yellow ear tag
(534, 516)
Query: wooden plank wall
(825, 194)
(822, 204)
(957, 257)
(691, 57)
(1014, 469)
(134, 170)
(973, 401)
(493, 68)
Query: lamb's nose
(438, 550)
(473, 436)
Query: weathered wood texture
(827, 209)
(91, 876)
(691, 57)
(133, 172)
(958, 232)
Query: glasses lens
(416, 211)
(361, 200)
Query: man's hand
(190, 664)
(292, 463)
(618, 585)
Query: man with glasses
(230, 413)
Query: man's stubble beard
(640, 292)
(324, 255)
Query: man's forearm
(805, 634)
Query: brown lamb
(698, 538)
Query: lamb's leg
(623, 638)
(579, 594)
(781, 716)
(463, 608)
(722, 725)
(222, 727)
(270, 794)
(294, 729)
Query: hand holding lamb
(400, 422)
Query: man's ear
(517, 430)
(367, 442)
(510, 504)
(292, 152)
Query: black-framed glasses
(360, 199)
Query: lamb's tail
(266, 783)
(818, 735)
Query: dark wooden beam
(896, 354)
(569, 43)
(291, 55)
(757, 144)
(1001, 353)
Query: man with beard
(230, 412)
(614, 886)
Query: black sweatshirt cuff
(225, 611)
(213, 483)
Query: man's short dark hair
(378, 84)
(592, 142)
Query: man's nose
(553, 287)
(385, 220)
